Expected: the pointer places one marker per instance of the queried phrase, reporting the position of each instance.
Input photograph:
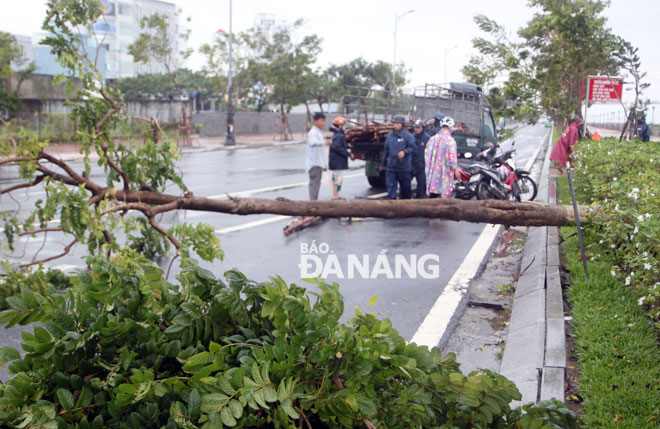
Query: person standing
(399, 147)
(436, 123)
(643, 130)
(441, 161)
(566, 144)
(315, 162)
(418, 163)
(338, 157)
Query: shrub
(624, 180)
(123, 347)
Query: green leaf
(227, 417)
(65, 398)
(373, 300)
(194, 403)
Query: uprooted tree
(124, 347)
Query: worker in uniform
(436, 123)
(397, 159)
(418, 164)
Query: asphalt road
(428, 253)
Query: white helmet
(447, 121)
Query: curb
(534, 355)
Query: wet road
(407, 263)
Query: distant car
(548, 123)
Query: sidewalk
(535, 353)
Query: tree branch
(65, 252)
(35, 182)
(40, 230)
(487, 211)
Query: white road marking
(252, 224)
(271, 188)
(435, 324)
(376, 196)
(437, 321)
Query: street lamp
(397, 18)
(229, 139)
(447, 50)
(652, 115)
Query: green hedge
(616, 343)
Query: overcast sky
(365, 28)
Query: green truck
(371, 109)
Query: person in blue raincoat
(418, 164)
(397, 159)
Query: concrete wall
(215, 123)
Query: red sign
(605, 89)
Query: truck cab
(371, 109)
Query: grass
(616, 346)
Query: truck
(372, 109)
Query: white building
(120, 27)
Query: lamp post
(447, 50)
(229, 139)
(652, 115)
(397, 18)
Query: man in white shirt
(316, 156)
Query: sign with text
(605, 89)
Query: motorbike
(517, 183)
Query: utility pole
(447, 50)
(229, 139)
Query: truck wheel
(377, 181)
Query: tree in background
(547, 67)
(288, 61)
(628, 60)
(13, 71)
(155, 45)
(160, 86)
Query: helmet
(447, 121)
(398, 119)
(438, 116)
(575, 119)
(418, 124)
(339, 120)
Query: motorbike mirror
(513, 143)
(467, 155)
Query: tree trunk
(488, 211)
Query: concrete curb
(534, 355)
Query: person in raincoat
(566, 144)
(441, 161)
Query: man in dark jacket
(436, 123)
(339, 154)
(643, 130)
(397, 157)
(418, 164)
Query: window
(124, 47)
(125, 9)
(125, 28)
(488, 132)
(126, 67)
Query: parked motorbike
(517, 182)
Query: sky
(435, 31)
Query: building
(119, 27)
